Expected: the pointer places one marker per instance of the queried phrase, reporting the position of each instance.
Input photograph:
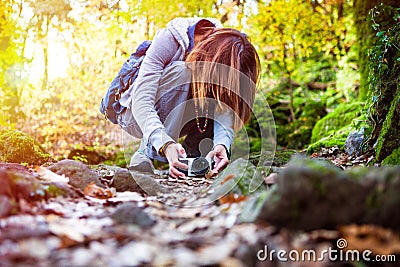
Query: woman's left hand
(220, 157)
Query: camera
(197, 166)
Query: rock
(148, 183)
(78, 173)
(252, 207)
(14, 167)
(240, 177)
(5, 185)
(130, 213)
(123, 181)
(312, 194)
(353, 144)
(383, 200)
(18, 147)
(5, 206)
(17, 185)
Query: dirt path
(175, 223)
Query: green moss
(389, 137)
(283, 156)
(18, 147)
(365, 35)
(52, 190)
(393, 159)
(336, 120)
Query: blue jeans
(177, 114)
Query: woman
(169, 100)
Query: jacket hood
(179, 29)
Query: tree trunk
(366, 37)
(379, 73)
(45, 43)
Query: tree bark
(366, 37)
(379, 80)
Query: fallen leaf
(227, 178)
(95, 191)
(210, 174)
(50, 176)
(66, 231)
(195, 224)
(379, 240)
(232, 198)
(126, 196)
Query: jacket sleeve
(161, 52)
(223, 130)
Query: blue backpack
(110, 105)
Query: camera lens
(200, 166)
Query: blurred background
(58, 57)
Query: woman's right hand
(172, 153)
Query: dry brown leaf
(95, 191)
(227, 178)
(210, 174)
(232, 198)
(379, 240)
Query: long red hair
(233, 84)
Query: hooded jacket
(170, 45)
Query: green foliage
(308, 109)
(288, 36)
(81, 158)
(150, 10)
(10, 62)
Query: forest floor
(171, 223)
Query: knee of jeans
(129, 124)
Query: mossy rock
(335, 139)
(18, 147)
(313, 194)
(336, 120)
(240, 177)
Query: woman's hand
(172, 153)
(220, 156)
